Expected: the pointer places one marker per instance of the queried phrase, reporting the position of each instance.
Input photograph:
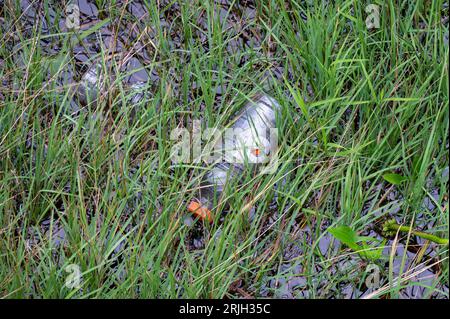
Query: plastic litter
(247, 149)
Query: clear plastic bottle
(93, 85)
(246, 148)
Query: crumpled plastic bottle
(246, 149)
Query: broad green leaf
(394, 179)
(346, 235)
(373, 252)
(369, 248)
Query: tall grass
(356, 104)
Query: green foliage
(357, 105)
(367, 247)
(394, 179)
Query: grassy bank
(94, 186)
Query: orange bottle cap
(256, 151)
(198, 209)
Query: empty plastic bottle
(92, 85)
(246, 147)
(93, 82)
